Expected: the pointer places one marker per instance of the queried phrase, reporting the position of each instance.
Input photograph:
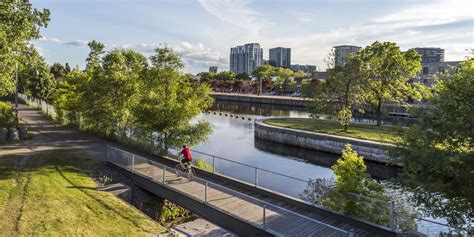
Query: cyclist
(187, 157)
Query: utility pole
(16, 95)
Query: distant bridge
(238, 206)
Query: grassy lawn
(389, 134)
(51, 194)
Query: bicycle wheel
(178, 168)
(191, 173)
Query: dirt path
(48, 136)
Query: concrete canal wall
(373, 151)
(271, 100)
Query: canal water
(233, 139)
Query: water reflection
(258, 110)
(376, 170)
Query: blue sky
(202, 31)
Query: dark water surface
(233, 139)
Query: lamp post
(16, 95)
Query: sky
(203, 31)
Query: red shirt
(187, 153)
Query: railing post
(264, 214)
(164, 171)
(392, 215)
(133, 161)
(213, 164)
(256, 177)
(205, 193)
(351, 233)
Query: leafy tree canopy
(19, 23)
(439, 153)
(387, 71)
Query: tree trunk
(379, 112)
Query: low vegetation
(51, 194)
(388, 134)
(6, 115)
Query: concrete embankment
(271, 100)
(370, 150)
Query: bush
(7, 119)
(202, 164)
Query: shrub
(7, 119)
(202, 164)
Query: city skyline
(309, 28)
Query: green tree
(342, 92)
(19, 24)
(112, 92)
(58, 71)
(68, 97)
(96, 51)
(168, 101)
(438, 153)
(67, 68)
(242, 76)
(206, 76)
(263, 73)
(351, 180)
(283, 75)
(387, 71)
(34, 76)
(225, 76)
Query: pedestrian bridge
(235, 205)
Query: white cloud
(193, 54)
(437, 12)
(62, 42)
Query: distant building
(319, 75)
(280, 57)
(431, 70)
(431, 55)
(341, 53)
(246, 58)
(213, 69)
(305, 68)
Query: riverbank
(370, 150)
(384, 134)
(263, 99)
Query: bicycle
(187, 169)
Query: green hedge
(7, 119)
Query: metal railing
(253, 175)
(272, 216)
(45, 107)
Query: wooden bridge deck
(280, 218)
(245, 207)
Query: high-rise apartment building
(341, 53)
(280, 57)
(246, 58)
(431, 55)
(213, 69)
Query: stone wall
(271, 100)
(373, 151)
